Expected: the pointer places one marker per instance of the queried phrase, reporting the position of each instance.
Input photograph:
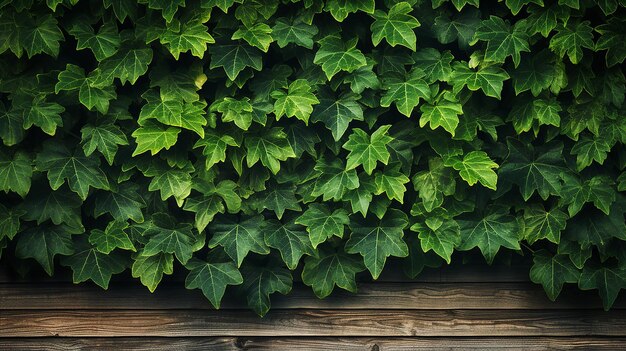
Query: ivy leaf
(277, 198)
(103, 45)
(377, 239)
(290, 239)
(575, 193)
(173, 113)
(441, 113)
(476, 166)
(335, 55)
(391, 181)
(168, 7)
(433, 185)
(330, 269)
(297, 102)
(340, 9)
(171, 182)
(238, 111)
(534, 169)
(127, 65)
(90, 93)
(16, 173)
(43, 243)
(238, 237)
(460, 28)
(261, 282)
(405, 93)
(122, 8)
(297, 32)
(613, 40)
(105, 138)
(212, 202)
(516, 5)
(489, 79)
(541, 224)
(45, 115)
(270, 148)
(367, 150)
(588, 150)
(79, 171)
(122, 202)
(60, 206)
(224, 5)
(335, 179)
(167, 236)
(234, 59)
(258, 35)
(552, 272)
(11, 126)
(41, 35)
(337, 114)
(150, 269)
(571, 39)
(212, 278)
(215, 145)
(322, 224)
(608, 281)
(191, 36)
(154, 137)
(496, 229)
(90, 264)
(396, 26)
(112, 237)
(435, 64)
(9, 222)
(441, 239)
(536, 74)
(502, 40)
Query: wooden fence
(452, 308)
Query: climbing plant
(246, 142)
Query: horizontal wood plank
(308, 343)
(64, 296)
(375, 323)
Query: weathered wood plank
(373, 323)
(308, 343)
(380, 295)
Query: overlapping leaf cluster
(245, 140)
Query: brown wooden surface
(379, 295)
(309, 343)
(474, 307)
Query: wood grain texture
(379, 323)
(380, 295)
(309, 343)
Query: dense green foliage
(244, 140)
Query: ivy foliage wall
(243, 141)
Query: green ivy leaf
(335, 55)
(441, 113)
(150, 269)
(441, 239)
(258, 35)
(212, 278)
(489, 79)
(90, 93)
(261, 282)
(234, 59)
(337, 114)
(270, 148)
(112, 237)
(496, 229)
(105, 138)
(476, 166)
(552, 271)
(166, 236)
(330, 269)
(41, 35)
(367, 150)
(543, 224)
(502, 40)
(396, 26)
(405, 93)
(608, 281)
(122, 202)
(290, 239)
(238, 237)
(43, 243)
(104, 44)
(571, 39)
(16, 173)
(154, 137)
(297, 32)
(322, 224)
(193, 37)
(340, 9)
(80, 172)
(297, 102)
(377, 239)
